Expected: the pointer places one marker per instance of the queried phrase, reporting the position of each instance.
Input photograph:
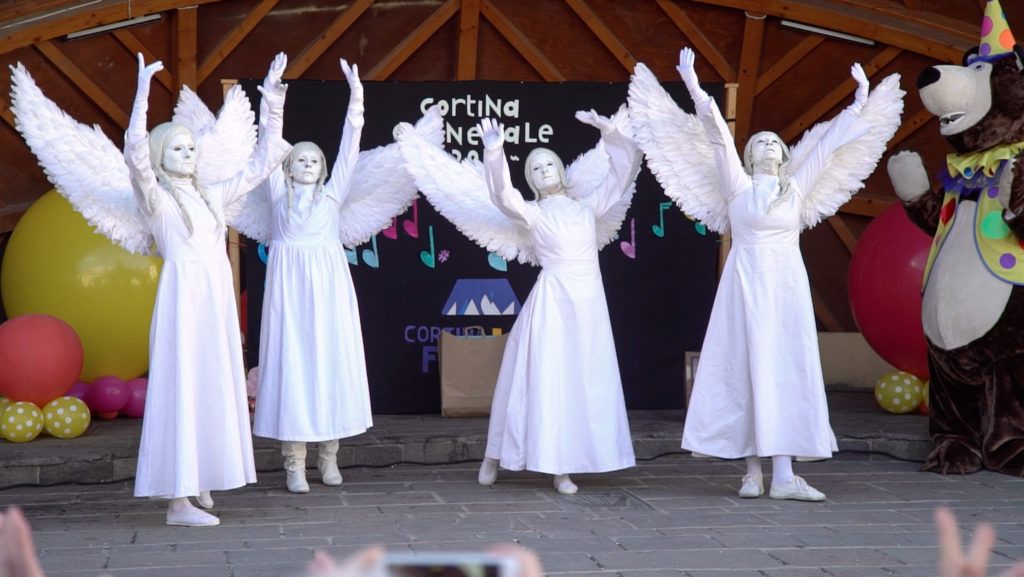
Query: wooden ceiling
(785, 79)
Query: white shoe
(296, 481)
(184, 513)
(488, 472)
(796, 489)
(565, 485)
(753, 486)
(205, 500)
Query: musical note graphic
(629, 247)
(370, 256)
(497, 262)
(428, 258)
(659, 229)
(412, 227)
(353, 256)
(392, 231)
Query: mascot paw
(952, 456)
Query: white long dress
(759, 388)
(195, 429)
(313, 384)
(558, 406)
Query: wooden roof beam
(909, 30)
(606, 36)
(750, 63)
(521, 43)
(469, 33)
(135, 47)
(184, 42)
(60, 20)
(789, 60)
(407, 47)
(328, 37)
(700, 42)
(83, 82)
(232, 40)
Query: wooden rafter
(791, 58)
(700, 42)
(184, 43)
(837, 94)
(913, 30)
(80, 79)
(606, 36)
(867, 204)
(824, 314)
(750, 62)
(413, 41)
(328, 37)
(135, 46)
(5, 112)
(232, 40)
(843, 232)
(910, 125)
(469, 33)
(74, 16)
(520, 42)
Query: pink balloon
(108, 394)
(136, 404)
(79, 389)
(886, 273)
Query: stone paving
(672, 515)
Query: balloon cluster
(41, 356)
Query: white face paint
(305, 167)
(180, 156)
(545, 175)
(766, 150)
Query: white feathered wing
(381, 187)
(678, 151)
(82, 164)
(854, 162)
(225, 142)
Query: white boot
(181, 511)
(488, 471)
(205, 500)
(327, 461)
(565, 485)
(294, 453)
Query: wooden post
(730, 119)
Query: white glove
(492, 133)
(860, 97)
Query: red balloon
(41, 356)
(107, 394)
(886, 274)
(136, 404)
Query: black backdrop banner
(421, 276)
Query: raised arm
(624, 158)
(340, 181)
(727, 159)
(136, 143)
(843, 129)
(271, 147)
(499, 183)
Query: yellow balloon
(4, 401)
(21, 422)
(899, 392)
(66, 417)
(56, 264)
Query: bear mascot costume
(973, 301)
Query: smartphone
(449, 564)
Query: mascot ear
(970, 56)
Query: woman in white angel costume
(759, 390)
(312, 370)
(558, 406)
(170, 188)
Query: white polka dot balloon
(66, 417)
(21, 422)
(899, 392)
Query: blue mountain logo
(481, 296)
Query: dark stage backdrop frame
(659, 274)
